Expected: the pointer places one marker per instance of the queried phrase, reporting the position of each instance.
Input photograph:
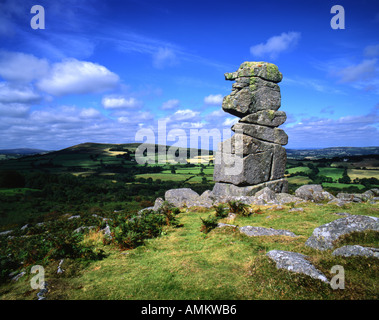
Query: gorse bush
(130, 232)
(238, 207)
(221, 211)
(209, 223)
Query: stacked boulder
(254, 157)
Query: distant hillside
(331, 152)
(21, 151)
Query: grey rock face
(181, 197)
(264, 133)
(295, 262)
(227, 189)
(268, 118)
(356, 250)
(252, 169)
(323, 237)
(259, 95)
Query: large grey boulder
(295, 262)
(261, 69)
(249, 170)
(268, 118)
(356, 251)
(259, 95)
(227, 189)
(261, 231)
(266, 195)
(323, 237)
(264, 133)
(284, 198)
(314, 193)
(181, 197)
(242, 144)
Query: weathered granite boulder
(261, 231)
(295, 262)
(268, 118)
(266, 195)
(264, 133)
(356, 251)
(257, 96)
(313, 192)
(158, 204)
(181, 197)
(264, 70)
(284, 198)
(323, 237)
(227, 189)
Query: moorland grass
(186, 264)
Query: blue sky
(101, 71)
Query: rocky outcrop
(323, 237)
(295, 262)
(253, 158)
(356, 251)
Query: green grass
(342, 185)
(334, 173)
(299, 169)
(185, 263)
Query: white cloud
(216, 113)
(213, 99)
(230, 121)
(362, 71)
(350, 131)
(164, 57)
(89, 113)
(72, 76)
(17, 93)
(276, 44)
(13, 110)
(120, 102)
(170, 104)
(21, 67)
(185, 114)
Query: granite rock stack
(254, 157)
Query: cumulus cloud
(120, 102)
(10, 93)
(276, 44)
(89, 113)
(13, 110)
(21, 67)
(72, 76)
(213, 99)
(185, 114)
(325, 132)
(171, 104)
